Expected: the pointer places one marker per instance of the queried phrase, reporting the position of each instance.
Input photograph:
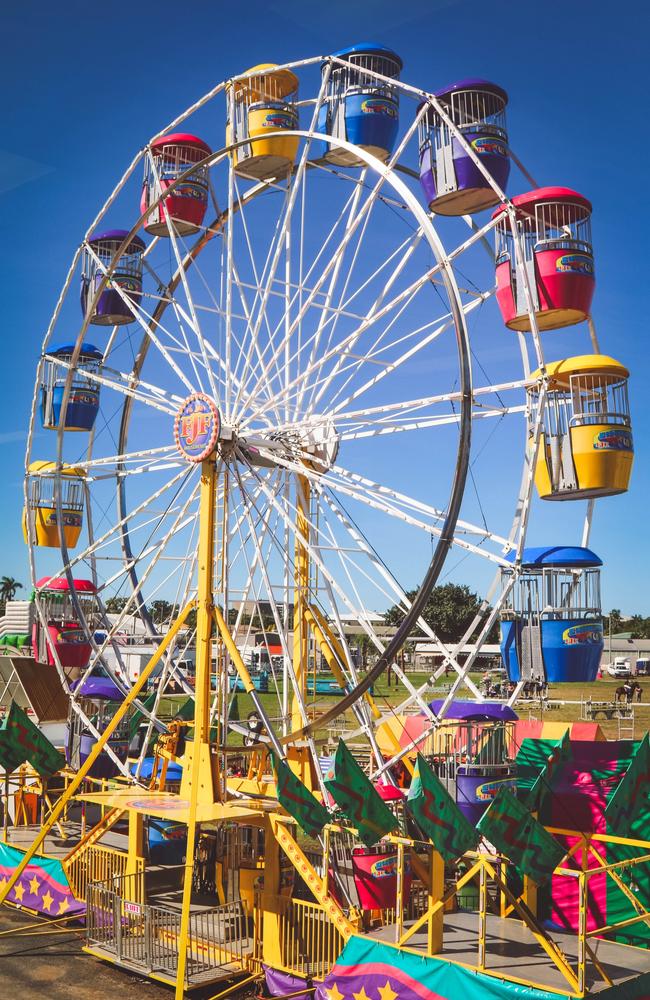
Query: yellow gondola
(263, 106)
(41, 504)
(586, 449)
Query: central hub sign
(196, 427)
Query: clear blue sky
(86, 86)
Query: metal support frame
(85, 768)
(202, 781)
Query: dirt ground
(52, 966)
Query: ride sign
(196, 427)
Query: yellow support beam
(553, 951)
(95, 752)
(197, 771)
(313, 881)
(332, 651)
(233, 652)
(436, 908)
(300, 600)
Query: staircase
(531, 659)
(626, 724)
(89, 861)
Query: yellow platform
(168, 805)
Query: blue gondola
(358, 107)
(551, 623)
(111, 309)
(83, 399)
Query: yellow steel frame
(198, 770)
(204, 784)
(83, 771)
(300, 601)
(494, 867)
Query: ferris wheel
(318, 308)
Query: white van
(620, 667)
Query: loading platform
(513, 953)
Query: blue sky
(85, 87)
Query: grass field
(601, 691)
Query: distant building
(428, 656)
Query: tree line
(449, 611)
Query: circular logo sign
(196, 427)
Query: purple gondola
(111, 309)
(452, 182)
(100, 699)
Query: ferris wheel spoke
(347, 237)
(395, 504)
(429, 276)
(116, 528)
(125, 458)
(133, 598)
(354, 362)
(264, 366)
(151, 549)
(264, 526)
(399, 498)
(289, 518)
(353, 365)
(251, 312)
(395, 593)
(352, 338)
(334, 312)
(195, 325)
(371, 357)
(346, 560)
(382, 428)
(177, 312)
(347, 667)
(293, 189)
(158, 400)
(144, 320)
(406, 356)
(334, 277)
(264, 577)
(268, 390)
(411, 405)
(404, 255)
(289, 672)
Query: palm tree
(8, 588)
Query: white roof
(489, 648)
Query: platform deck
(513, 951)
(55, 845)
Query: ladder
(626, 724)
(531, 660)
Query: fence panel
(146, 937)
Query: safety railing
(96, 864)
(309, 942)
(146, 937)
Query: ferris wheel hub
(315, 446)
(197, 426)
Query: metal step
(531, 659)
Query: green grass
(389, 696)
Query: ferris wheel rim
(195, 251)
